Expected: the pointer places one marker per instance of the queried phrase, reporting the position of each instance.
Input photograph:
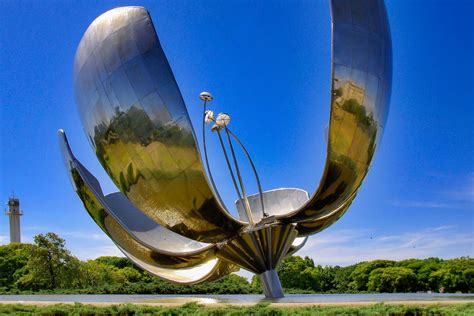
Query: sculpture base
(271, 284)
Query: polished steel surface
(315, 226)
(211, 270)
(271, 284)
(137, 123)
(239, 176)
(360, 93)
(277, 202)
(261, 248)
(254, 169)
(140, 238)
(168, 218)
(297, 244)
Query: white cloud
(422, 204)
(246, 274)
(345, 247)
(33, 227)
(459, 195)
(462, 189)
(105, 249)
(4, 240)
(83, 244)
(27, 239)
(83, 235)
(348, 246)
(463, 195)
(90, 244)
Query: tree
(342, 278)
(290, 271)
(360, 275)
(392, 279)
(130, 274)
(423, 269)
(51, 266)
(468, 275)
(453, 275)
(256, 284)
(230, 284)
(13, 260)
(118, 262)
(94, 274)
(317, 278)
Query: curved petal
(136, 120)
(146, 230)
(260, 249)
(297, 244)
(207, 272)
(276, 202)
(323, 222)
(361, 86)
(128, 228)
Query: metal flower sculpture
(168, 217)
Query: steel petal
(137, 122)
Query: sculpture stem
(241, 182)
(205, 150)
(229, 166)
(271, 284)
(265, 214)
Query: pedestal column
(271, 284)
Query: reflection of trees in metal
(361, 67)
(168, 218)
(135, 126)
(191, 256)
(348, 110)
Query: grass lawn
(259, 309)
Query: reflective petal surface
(167, 219)
(276, 202)
(260, 249)
(132, 231)
(360, 93)
(136, 120)
(210, 271)
(323, 222)
(297, 244)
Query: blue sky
(268, 66)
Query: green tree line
(381, 276)
(48, 266)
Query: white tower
(14, 214)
